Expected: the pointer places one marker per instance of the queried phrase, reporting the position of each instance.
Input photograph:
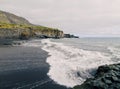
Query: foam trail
(72, 66)
(32, 43)
(115, 53)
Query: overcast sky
(84, 17)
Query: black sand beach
(25, 68)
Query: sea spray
(115, 53)
(69, 65)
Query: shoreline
(107, 77)
(36, 55)
(25, 67)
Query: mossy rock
(25, 35)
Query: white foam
(32, 43)
(70, 66)
(115, 53)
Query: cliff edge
(15, 27)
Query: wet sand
(25, 68)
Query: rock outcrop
(107, 77)
(70, 36)
(15, 27)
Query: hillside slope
(6, 17)
(15, 27)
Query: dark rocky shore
(107, 77)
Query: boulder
(107, 77)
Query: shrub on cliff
(25, 35)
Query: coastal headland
(16, 27)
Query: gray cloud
(89, 17)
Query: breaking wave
(70, 66)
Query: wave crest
(70, 66)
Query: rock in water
(107, 77)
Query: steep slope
(6, 17)
(15, 27)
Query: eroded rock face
(12, 33)
(107, 77)
(28, 33)
(15, 27)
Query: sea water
(72, 61)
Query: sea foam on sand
(70, 66)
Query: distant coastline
(13, 27)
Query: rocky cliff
(15, 27)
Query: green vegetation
(23, 31)
(12, 26)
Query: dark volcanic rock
(107, 77)
(70, 36)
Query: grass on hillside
(23, 26)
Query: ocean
(72, 61)
(55, 63)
